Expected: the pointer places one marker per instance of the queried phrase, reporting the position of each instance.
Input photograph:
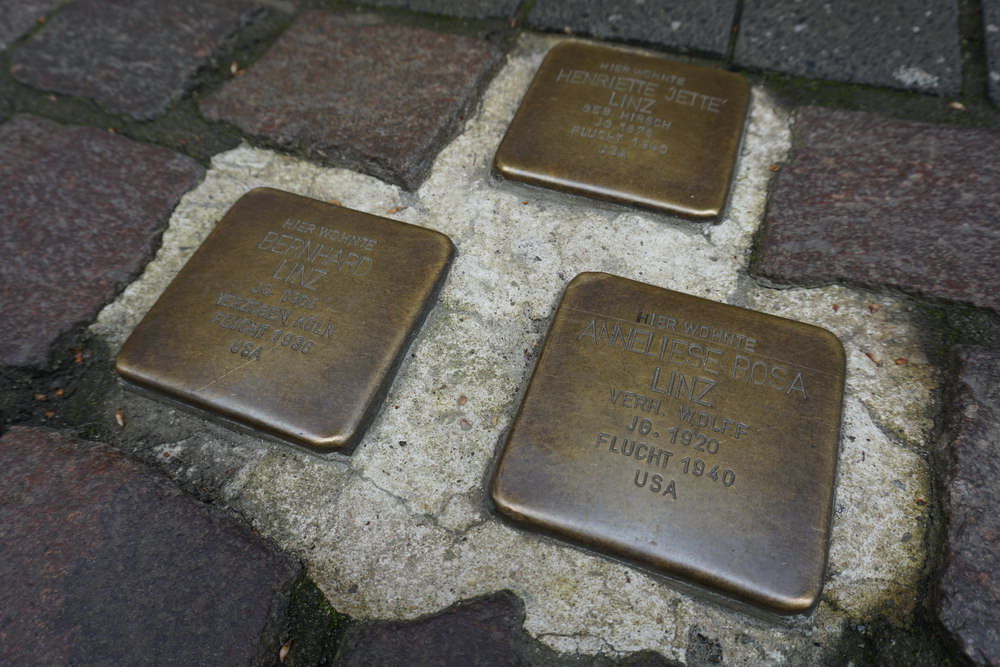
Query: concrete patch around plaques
(687, 436)
(291, 318)
(881, 517)
(885, 344)
(480, 342)
(628, 126)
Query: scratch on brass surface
(227, 373)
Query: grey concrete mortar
(401, 529)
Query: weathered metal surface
(290, 318)
(690, 437)
(628, 126)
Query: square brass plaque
(628, 126)
(290, 319)
(693, 438)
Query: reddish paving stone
(19, 16)
(132, 56)
(468, 9)
(969, 586)
(105, 562)
(379, 98)
(81, 208)
(876, 201)
(685, 25)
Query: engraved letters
(688, 436)
(290, 319)
(628, 126)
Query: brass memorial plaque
(290, 319)
(693, 438)
(628, 126)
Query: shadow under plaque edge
(750, 525)
(290, 320)
(628, 126)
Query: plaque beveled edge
(788, 610)
(505, 168)
(341, 444)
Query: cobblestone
(872, 200)
(135, 57)
(484, 632)
(82, 208)
(380, 98)
(469, 9)
(687, 25)
(105, 562)
(400, 531)
(991, 28)
(969, 586)
(18, 16)
(888, 43)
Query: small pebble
(283, 651)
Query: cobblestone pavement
(865, 200)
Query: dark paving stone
(379, 98)
(104, 562)
(481, 633)
(19, 16)
(885, 202)
(484, 632)
(468, 9)
(969, 586)
(886, 43)
(81, 208)
(991, 28)
(133, 56)
(686, 25)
